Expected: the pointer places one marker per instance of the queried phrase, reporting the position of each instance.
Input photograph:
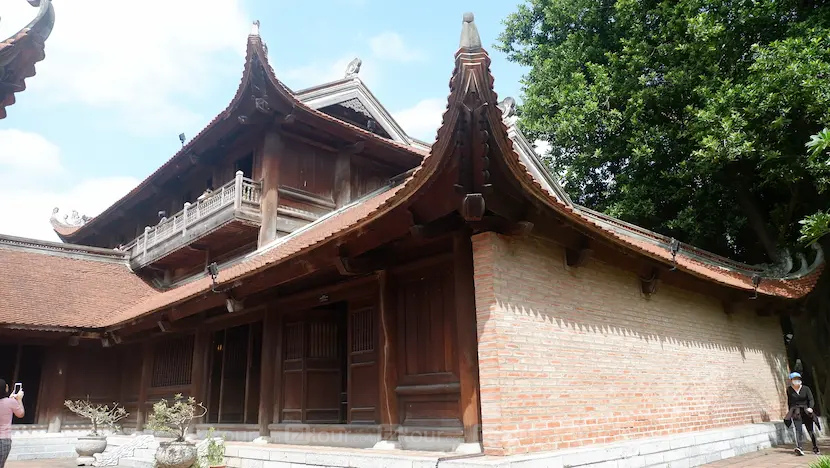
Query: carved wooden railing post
(146, 235)
(237, 187)
(184, 217)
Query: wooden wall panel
(366, 180)
(307, 168)
(428, 391)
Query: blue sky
(121, 80)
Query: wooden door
(313, 367)
(363, 392)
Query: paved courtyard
(776, 457)
(62, 463)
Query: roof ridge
(60, 248)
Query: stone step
(137, 462)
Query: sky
(122, 79)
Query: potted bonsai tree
(214, 455)
(100, 416)
(175, 419)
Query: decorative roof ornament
(469, 33)
(73, 220)
(508, 111)
(353, 68)
(255, 28)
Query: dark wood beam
(465, 318)
(270, 331)
(144, 384)
(199, 370)
(387, 357)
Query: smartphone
(17, 388)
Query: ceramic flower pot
(176, 455)
(88, 446)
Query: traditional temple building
(312, 273)
(19, 53)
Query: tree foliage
(684, 116)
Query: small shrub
(821, 462)
(175, 418)
(214, 451)
(98, 415)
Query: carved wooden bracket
(648, 282)
(577, 257)
(363, 265)
(519, 229)
(354, 148)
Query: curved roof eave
(23, 50)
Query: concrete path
(62, 463)
(776, 457)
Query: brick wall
(571, 357)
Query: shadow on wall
(598, 324)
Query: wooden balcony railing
(242, 194)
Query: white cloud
(25, 151)
(390, 46)
(140, 58)
(320, 72)
(423, 119)
(28, 201)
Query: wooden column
(270, 331)
(388, 371)
(56, 381)
(198, 373)
(465, 309)
(343, 180)
(271, 151)
(144, 384)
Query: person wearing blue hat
(800, 401)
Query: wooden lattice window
(173, 362)
(363, 330)
(323, 340)
(294, 340)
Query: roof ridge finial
(255, 28)
(469, 33)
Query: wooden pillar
(144, 384)
(271, 151)
(198, 373)
(465, 309)
(388, 361)
(270, 332)
(56, 381)
(343, 180)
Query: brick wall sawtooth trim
(575, 357)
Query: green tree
(688, 117)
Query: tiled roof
(471, 74)
(48, 284)
(19, 53)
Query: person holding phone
(10, 406)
